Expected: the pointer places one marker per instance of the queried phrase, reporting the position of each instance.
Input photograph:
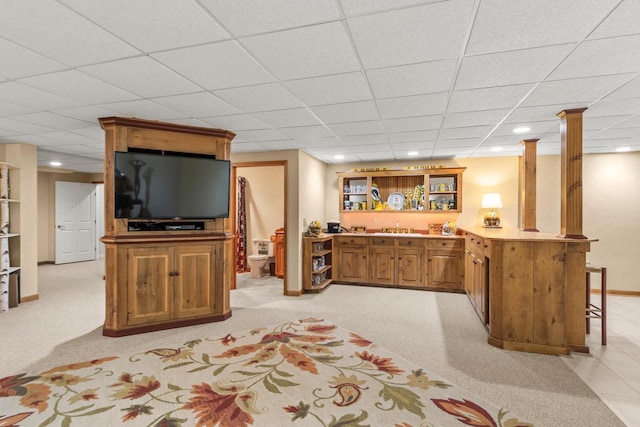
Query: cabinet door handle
(174, 273)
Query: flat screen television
(170, 186)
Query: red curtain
(241, 231)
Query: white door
(75, 222)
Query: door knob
(61, 227)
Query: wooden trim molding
(617, 292)
(28, 298)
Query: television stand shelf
(165, 226)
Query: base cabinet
(476, 278)
(446, 269)
(397, 261)
(167, 285)
(350, 259)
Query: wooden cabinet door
(468, 275)
(410, 266)
(194, 280)
(352, 263)
(445, 270)
(479, 294)
(383, 265)
(149, 292)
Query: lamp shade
(491, 200)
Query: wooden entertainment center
(161, 276)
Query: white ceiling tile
(88, 113)
(92, 132)
(19, 127)
(286, 144)
(451, 152)
(613, 107)
(215, 66)
(409, 124)
(53, 120)
(465, 132)
(359, 7)
(416, 79)
(153, 25)
(574, 90)
(525, 115)
(505, 24)
(419, 34)
(613, 56)
(474, 118)
(133, 75)
(79, 86)
(330, 141)
(310, 51)
(246, 147)
(357, 128)
(24, 62)
(326, 149)
(257, 16)
(623, 20)
(633, 122)
(235, 122)
(491, 98)
(424, 147)
(413, 136)
(29, 23)
(259, 135)
(20, 94)
(537, 128)
(287, 118)
(457, 143)
(599, 123)
(8, 109)
(513, 67)
(629, 90)
(259, 98)
(354, 140)
(502, 140)
(348, 112)
(197, 104)
(307, 132)
(333, 89)
(409, 106)
(375, 156)
(615, 133)
(143, 109)
(66, 138)
(369, 148)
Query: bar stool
(594, 311)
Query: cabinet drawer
(382, 241)
(350, 240)
(445, 243)
(411, 242)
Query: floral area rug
(308, 372)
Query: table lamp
(491, 201)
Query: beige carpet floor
(438, 331)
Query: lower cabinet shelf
(316, 263)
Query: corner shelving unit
(9, 241)
(316, 263)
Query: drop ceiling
(367, 80)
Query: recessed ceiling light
(496, 148)
(522, 129)
(338, 157)
(55, 163)
(623, 149)
(412, 153)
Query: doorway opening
(265, 206)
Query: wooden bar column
(571, 173)
(528, 171)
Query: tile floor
(612, 371)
